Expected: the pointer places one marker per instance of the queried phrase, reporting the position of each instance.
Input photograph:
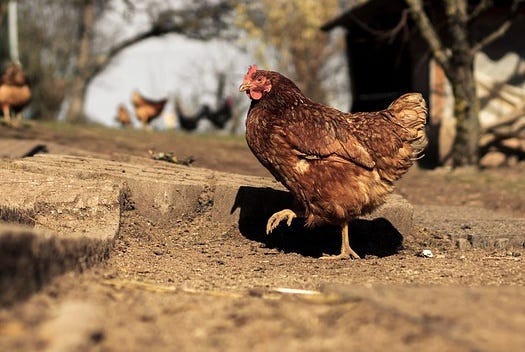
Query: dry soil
(190, 285)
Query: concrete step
(62, 212)
(50, 224)
(469, 227)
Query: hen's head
(14, 75)
(256, 83)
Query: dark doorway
(381, 73)
(379, 56)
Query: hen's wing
(378, 132)
(323, 132)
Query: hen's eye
(259, 79)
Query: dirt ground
(194, 286)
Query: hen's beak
(244, 86)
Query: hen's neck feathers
(283, 95)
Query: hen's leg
(276, 218)
(346, 251)
(7, 114)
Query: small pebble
(426, 253)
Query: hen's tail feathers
(410, 112)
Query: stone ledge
(51, 224)
(162, 191)
(29, 258)
(70, 207)
(468, 227)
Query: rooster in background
(220, 117)
(337, 165)
(146, 110)
(187, 122)
(123, 117)
(15, 92)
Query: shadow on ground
(377, 237)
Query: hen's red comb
(251, 70)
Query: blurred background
(176, 64)
(192, 52)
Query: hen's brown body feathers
(123, 117)
(337, 165)
(15, 92)
(146, 109)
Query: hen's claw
(276, 218)
(342, 255)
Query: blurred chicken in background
(190, 122)
(220, 117)
(123, 117)
(15, 92)
(146, 110)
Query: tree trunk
(80, 81)
(461, 76)
(466, 110)
(457, 61)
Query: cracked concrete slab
(472, 228)
(165, 191)
(29, 258)
(50, 224)
(63, 205)
(20, 148)
(159, 190)
(70, 207)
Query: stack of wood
(502, 122)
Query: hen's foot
(346, 251)
(10, 123)
(276, 218)
(343, 255)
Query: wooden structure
(388, 57)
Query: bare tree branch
(500, 31)
(388, 33)
(77, 86)
(428, 32)
(482, 6)
(129, 4)
(203, 22)
(457, 61)
(456, 11)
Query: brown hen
(123, 117)
(146, 109)
(15, 92)
(337, 165)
